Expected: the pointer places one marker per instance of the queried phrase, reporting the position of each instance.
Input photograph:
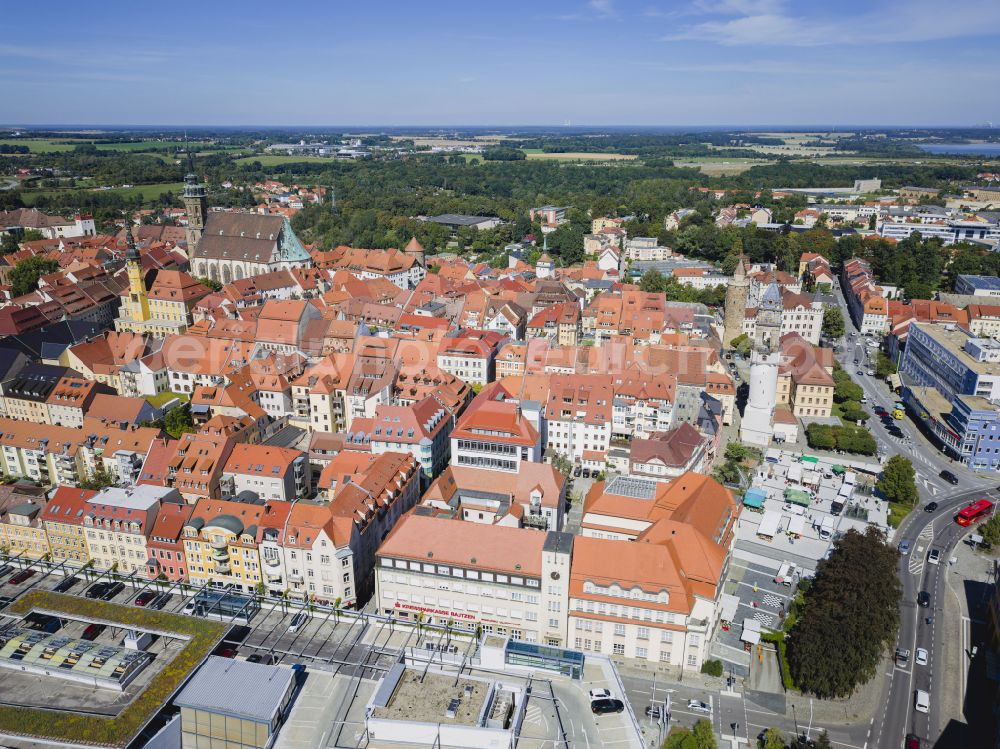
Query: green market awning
(810, 459)
(797, 497)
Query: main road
(924, 530)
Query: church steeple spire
(131, 251)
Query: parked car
(923, 599)
(266, 658)
(604, 707)
(904, 547)
(66, 584)
(297, 621)
(599, 694)
(20, 577)
(699, 707)
(576, 472)
(859, 373)
(921, 656)
(5, 601)
(934, 556)
(92, 631)
(931, 507)
(97, 590)
(159, 602)
(950, 477)
(43, 622)
(912, 741)
(6, 569)
(145, 597)
(225, 651)
(112, 590)
(902, 657)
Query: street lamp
(794, 718)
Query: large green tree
(25, 273)
(849, 616)
(178, 420)
(833, 322)
(884, 366)
(898, 481)
(652, 281)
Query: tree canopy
(178, 420)
(699, 736)
(833, 322)
(25, 274)
(849, 616)
(898, 481)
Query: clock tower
(138, 298)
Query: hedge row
(778, 638)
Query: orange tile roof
(516, 551)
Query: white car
(599, 694)
(921, 656)
(934, 557)
(699, 707)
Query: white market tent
(730, 605)
(797, 524)
(769, 524)
(751, 631)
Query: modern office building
(952, 361)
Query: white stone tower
(757, 426)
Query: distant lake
(968, 149)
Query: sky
(430, 62)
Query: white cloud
(603, 8)
(595, 10)
(762, 22)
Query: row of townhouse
(867, 301)
(57, 455)
(321, 550)
(643, 580)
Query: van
(783, 573)
(922, 701)
(826, 528)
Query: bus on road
(976, 511)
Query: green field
(38, 145)
(279, 159)
(53, 145)
(148, 192)
(715, 166)
(141, 145)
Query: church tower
(196, 206)
(736, 303)
(138, 297)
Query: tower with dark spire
(195, 205)
(138, 297)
